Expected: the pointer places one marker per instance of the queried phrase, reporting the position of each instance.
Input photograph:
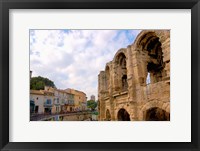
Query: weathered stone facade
(136, 83)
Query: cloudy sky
(74, 58)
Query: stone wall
(70, 117)
(80, 117)
(123, 89)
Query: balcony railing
(48, 104)
(70, 102)
(63, 102)
(57, 103)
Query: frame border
(5, 5)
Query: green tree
(38, 83)
(91, 104)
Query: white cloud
(74, 58)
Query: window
(152, 47)
(48, 101)
(124, 82)
(122, 70)
(148, 80)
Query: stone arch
(157, 114)
(165, 106)
(108, 115)
(148, 42)
(123, 115)
(120, 78)
(122, 50)
(144, 34)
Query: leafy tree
(38, 83)
(91, 104)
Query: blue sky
(74, 58)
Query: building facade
(56, 101)
(63, 101)
(37, 99)
(48, 102)
(80, 99)
(70, 103)
(135, 85)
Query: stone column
(134, 112)
(101, 89)
(130, 75)
(164, 38)
(115, 78)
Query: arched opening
(108, 116)
(152, 46)
(157, 114)
(155, 63)
(123, 115)
(124, 82)
(148, 80)
(122, 71)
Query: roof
(47, 92)
(38, 92)
(70, 90)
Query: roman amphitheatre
(135, 85)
